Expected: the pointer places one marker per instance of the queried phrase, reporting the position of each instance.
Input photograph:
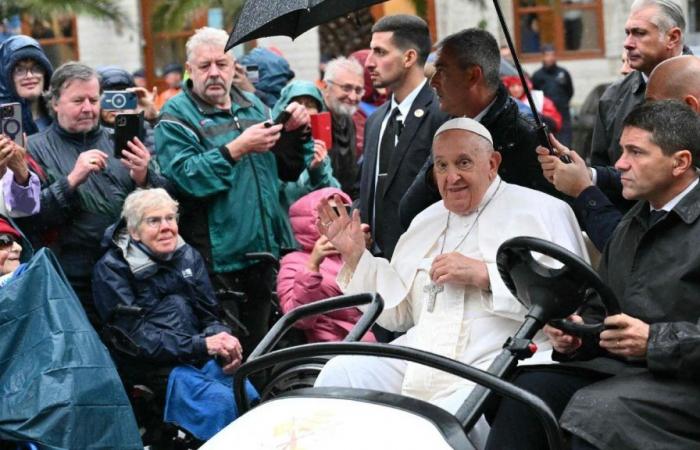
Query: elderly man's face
(465, 165)
(343, 93)
(645, 171)
(645, 44)
(449, 83)
(158, 230)
(78, 106)
(211, 71)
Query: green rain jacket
(228, 208)
(310, 179)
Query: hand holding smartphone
(281, 119)
(126, 127)
(11, 122)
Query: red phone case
(321, 128)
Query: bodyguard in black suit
(398, 136)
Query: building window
(58, 36)
(573, 27)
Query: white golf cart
(342, 418)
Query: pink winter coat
(296, 285)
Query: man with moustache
(217, 145)
(85, 183)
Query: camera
(11, 121)
(118, 100)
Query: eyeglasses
(349, 88)
(156, 221)
(23, 71)
(6, 240)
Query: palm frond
(103, 9)
(171, 15)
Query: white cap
(466, 124)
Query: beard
(340, 108)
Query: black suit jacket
(412, 149)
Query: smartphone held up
(127, 126)
(281, 119)
(11, 122)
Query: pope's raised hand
(344, 231)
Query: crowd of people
(375, 178)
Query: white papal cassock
(467, 324)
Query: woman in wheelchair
(161, 318)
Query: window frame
(71, 41)
(557, 8)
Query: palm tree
(104, 9)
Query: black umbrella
(262, 18)
(542, 132)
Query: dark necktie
(656, 215)
(386, 149)
(388, 144)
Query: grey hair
(65, 75)
(214, 37)
(334, 65)
(140, 201)
(670, 14)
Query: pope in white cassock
(442, 286)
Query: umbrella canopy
(263, 18)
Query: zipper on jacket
(260, 206)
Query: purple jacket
(18, 200)
(296, 285)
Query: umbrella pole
(542, 132)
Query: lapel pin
(418, 113)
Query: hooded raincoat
(274, 73)
(12, 51)
(297, 285)
(60, 388)
(310, 179)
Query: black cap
(115, 78)
(172, 67)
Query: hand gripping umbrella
(542, 132)
(262, 18)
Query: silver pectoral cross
(432, 290)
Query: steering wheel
(552, 294)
